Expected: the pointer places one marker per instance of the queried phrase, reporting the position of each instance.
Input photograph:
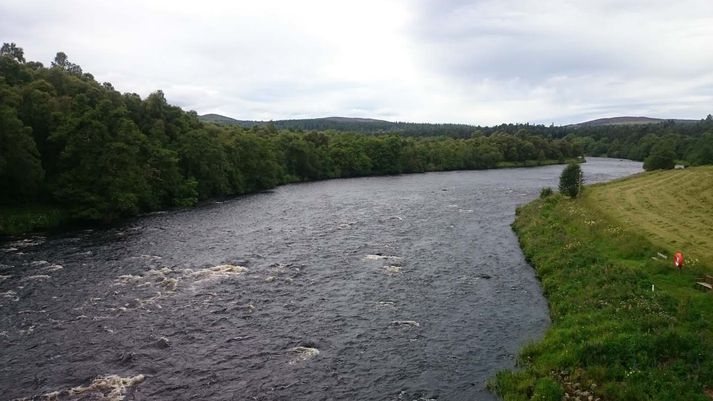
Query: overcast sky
(468, 61)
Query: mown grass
(674, 208)
(18, 220)
(612, 337)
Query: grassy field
(673, 208)
(625, 324)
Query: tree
(13, 73)
(21, 173)
(202, 157)
(662, 157)
(103, 173)
(62, 62)
(11, 50)
(571, 180)
(703, 150)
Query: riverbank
(25, 219)
(625, 324)
(43, 217)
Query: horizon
(474, 125)
(462, 62)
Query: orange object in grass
(678, 259)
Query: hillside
(223, 120)
(287, 124)
(371, 125)
(348, 124)
(627, 120)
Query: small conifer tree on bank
(571, 180)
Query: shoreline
(48, 218)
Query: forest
(96, 154)
(82, 147)
(689, 143)
(354, 125)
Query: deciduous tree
(11, 50)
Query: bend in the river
(384, 288)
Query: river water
(407, 287)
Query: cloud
(573, 59)
(481, 61)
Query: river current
(408, 287)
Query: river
(408, 287)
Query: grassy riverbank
(612, 336)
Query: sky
(480, 62)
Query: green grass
(18, 220)
(673, 208)
(612, 337)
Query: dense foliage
(355, 125)
(99, 154)
(662, 157)
(571, 180)
(688, 142)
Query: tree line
(661, 143)
(687, 142)
(354, 125)
(68, 140)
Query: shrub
(571, 180)
(662, 157)
(545, 192)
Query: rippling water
(388, 288)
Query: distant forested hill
(218, 119)
(358, 125)
(631, 121)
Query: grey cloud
(484, 39)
